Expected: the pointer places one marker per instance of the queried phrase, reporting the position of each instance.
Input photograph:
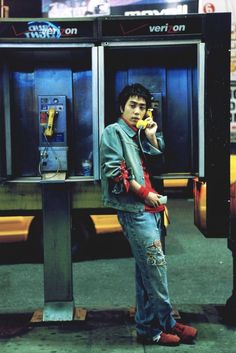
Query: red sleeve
(123, 176)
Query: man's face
(134, 110)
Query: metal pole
(7, 118)
(58, 292)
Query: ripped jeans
(153, 308)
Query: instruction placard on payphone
(52, 133)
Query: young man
(127, 187)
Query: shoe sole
(147, 341)
(190, 340)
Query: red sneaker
(186, 333)
(165, 339)
(168, 339)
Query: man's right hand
(152, 199)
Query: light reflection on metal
(200, 205)
(233, 208)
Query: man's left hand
(150, 133)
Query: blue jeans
(153, 313)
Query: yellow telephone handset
(51, 115)
(142, 124)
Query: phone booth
(59, 85)
(48, 112)
(184, 61)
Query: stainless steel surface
(95, 112)
(58, 311)
(7, 118)
(201, 109)
(150, 43)
(57, 245)
(45, 45)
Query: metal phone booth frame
(208, 36)
(42, 66)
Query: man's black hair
(134, 90)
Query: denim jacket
(119, 146)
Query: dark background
(24, 8)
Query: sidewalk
(200, 282)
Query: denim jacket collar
(126, 128)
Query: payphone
(52, 134)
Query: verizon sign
(167, 28)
